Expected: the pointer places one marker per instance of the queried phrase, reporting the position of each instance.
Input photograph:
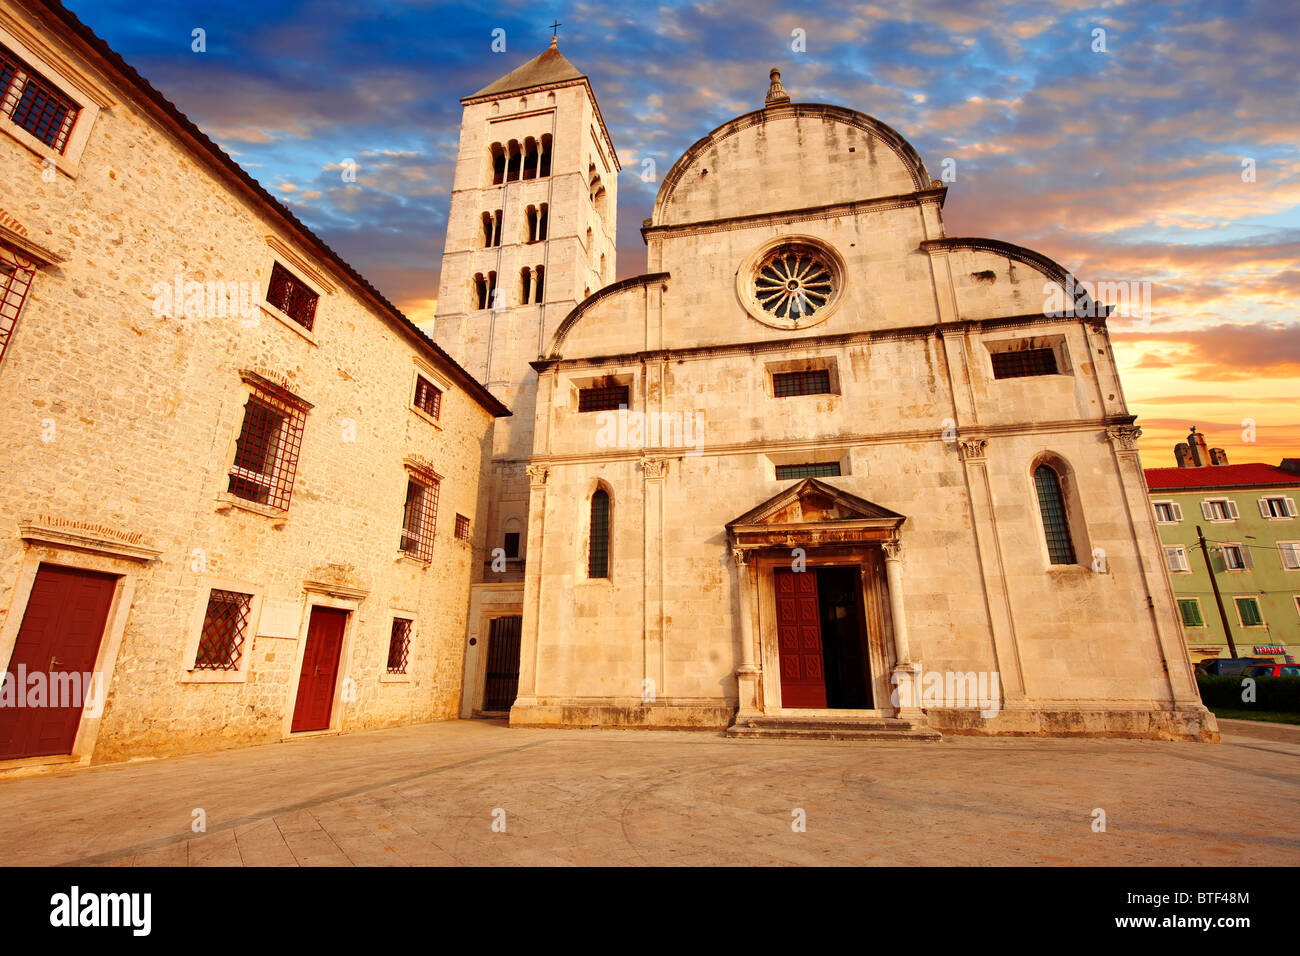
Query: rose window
(794, 282)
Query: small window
(1023, 363)
(266, 452)
(419, 517)
(1236, 557)
(399, 645)
(603, 397)
(1277, 507)
(225, 627)
(1290, 554)
(812, 469)
(1176, 557)
(33, 103)
(428, 397)
(510, 544)
(1248, 612)
(1219, 509)
(539, 275)
(1190, 610)
(462, 527)
(814, 382)
(292, 296)
(1168, 512)
(1051, 507)
(598, 542)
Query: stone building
(240, 489)
(823, 469)
(1231, 538)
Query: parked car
(1272, 670)
(1230, 665)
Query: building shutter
(1290, 507)
(1206, 511)
(1246, 560)
(1232, 509)
(1178, 511)
(1290, 555)
(1263, 508)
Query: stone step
(832, 728)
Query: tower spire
(776, 92)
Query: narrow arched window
(530, 158)
(525, 285)
(539, 291)
(541, 222)
(491, 291)
(544, 163)
(487, 229)
(598, 543)
(513, 162)
(1056, 525)
(498, 164)
(480, 291)
(531, 212)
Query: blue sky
(1123, 164)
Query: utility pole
(1218, 599)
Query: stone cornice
(79, 538)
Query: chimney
(1218, 456)
(1196, 441)
(1183, 455)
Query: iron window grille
(598, 547)
(225, 625)
(292, 296)
(462, 527)
(33, 103)
(428, 397)
(811, 469)
(1051, 505)
(16, 274)
(602, 398)
(1190, 609)
(266, 454)
(815, 382)
(1024, 363)
(399, 645)
(419, 516)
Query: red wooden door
(799, 638)
(320, 669)
(60, 635)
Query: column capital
(893, 548)
(653, 468)
(1124, 437)
(972, 449)
(537, 474)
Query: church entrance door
(501, 683)
(822, 638)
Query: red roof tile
(1219, 476)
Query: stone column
(655, 678)
(747, 673)
(905, 673)
(530, 632)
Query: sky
(1162, 152)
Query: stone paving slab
(429, 795)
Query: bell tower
(530, 234)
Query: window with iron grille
(16, 274)
(34, 103)
(815, 382)
(266, 454)
(1190, 609)
(419, 516)
(428, 397)
(462, 527)
(225, 626)
(598, 544)
(292, 296)
(1051, 505)
(811, 469)
(1248, 612)
(601, 398)
(1023, 363)
(399, 645)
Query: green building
(1247, 517)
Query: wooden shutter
(1246, 560)
(1207, 511)
(1232, 509)
(1263, 508)
(1290, 507)
(1178, 511)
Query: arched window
(512, 163)
(530, 158)
(538, 291)
(491, 291)
(487, 229)
(541, 222)
(525, 284)
(480, 291)
(544, 163)
(531, 213)
(496, 229)
(598, 538)
(1056, 524)
(498, 164)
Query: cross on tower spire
(555, 32)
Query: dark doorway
(844, 638)
(501, 685)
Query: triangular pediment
(815, 502)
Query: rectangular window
(1190, 609)
(812, 469)
(428, 397)
(399, 645)
(266, 454)
(600, 398)
(225, 626)
(462, 527)
(1023, 363)
(1168, 512)
(292, 296)
(1290, 554)
(1219, 509)
(1277, 507)
(1248, 612)
(33, 103)
(815, 382)
(419, 517)
(1235, 557)
(1176, 557)
(511, 544)
(16, 274)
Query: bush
(1271, 693)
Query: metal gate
(501, 685)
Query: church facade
(823, 470)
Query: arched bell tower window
(1056, 522)
(544, 162)
(598, 536)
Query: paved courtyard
(430, 795)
